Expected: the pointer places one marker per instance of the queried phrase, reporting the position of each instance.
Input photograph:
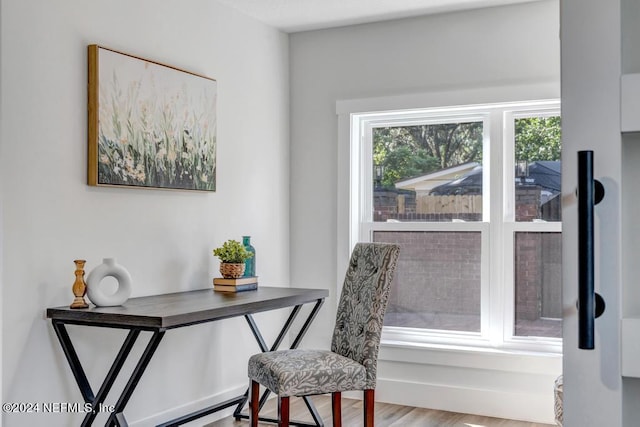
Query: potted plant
(232, 255)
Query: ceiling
(302, 15)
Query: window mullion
(496, 265)
(365, 175)
(508, 257)
(507, 222)
(508, 150)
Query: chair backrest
(363, 303)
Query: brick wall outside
(538, 271)
(438, 272)
(527, 203)
(385, 204)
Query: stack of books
(235, 285)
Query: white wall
(164, 238)
(457, 52)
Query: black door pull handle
(590, 304)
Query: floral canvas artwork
(150, 125)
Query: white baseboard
(515, 405)
(181, 410)
(530, 407)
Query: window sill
(472, 356)
(413, 337)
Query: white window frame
(497, 227)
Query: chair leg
(369, 402)
(254, 403)
(336, 408)
(283, 411)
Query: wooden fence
(448, 204)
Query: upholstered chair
(352, 362)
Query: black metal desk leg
(307, 323)
(256, 333)
(116, 416)
(74, 362)
(111, 376)
(286, 327)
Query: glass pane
(538, 284)
(437, 282)
(537, 169)
(428, 172)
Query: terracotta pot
(232, 270)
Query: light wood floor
(387, 415)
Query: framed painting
(150, 125)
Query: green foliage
(538, 138)
(451, 143)
(404, 162)
(232, 251)
(410, 151)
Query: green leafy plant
(232, 251)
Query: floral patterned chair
(352, 362)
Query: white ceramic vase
(109, 267)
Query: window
(472, 195)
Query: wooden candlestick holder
(79, 286)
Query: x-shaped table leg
(116, 417)
(296, 342)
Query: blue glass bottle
(249, 264)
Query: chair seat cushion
(306, 372)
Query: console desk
(160, 313)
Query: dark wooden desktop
(160, 313)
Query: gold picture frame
(150, 125)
